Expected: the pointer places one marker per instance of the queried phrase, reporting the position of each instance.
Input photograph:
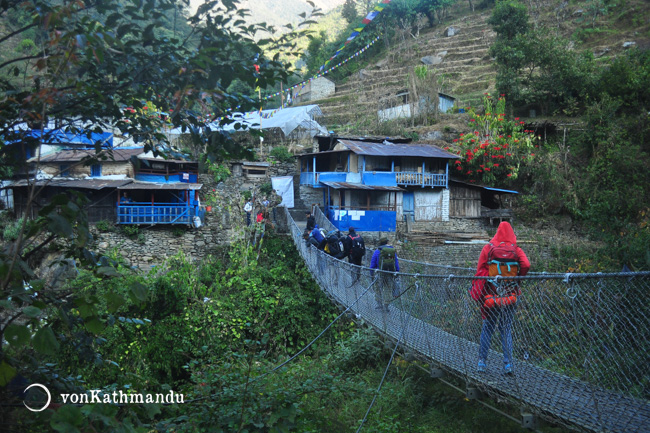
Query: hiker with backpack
(334, 245)
(385, 259)
(500, 258)
(317, 235)
(354, 248)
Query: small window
(95, 170)
(64, 170)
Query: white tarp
(283, 185)
(287, 119)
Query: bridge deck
(575, 402)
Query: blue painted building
(165, 191)
(136, 187)
(373, 185)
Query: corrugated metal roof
(180, 186)
(391, 149)
(71, 155)
(346, 185)
(96, 184)
(167, 155)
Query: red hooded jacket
(506, 234)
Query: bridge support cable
(390, 361)
(580, 347)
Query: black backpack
(335, 244)
(387, 258)
(358, 246)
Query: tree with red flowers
(493, 152)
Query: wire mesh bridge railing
(581, 341)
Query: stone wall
(310, 196)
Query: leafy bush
(281, 153)
(11, 229)
(130, 231)
(266, 188)
(360, 351)
(104, 226)
(219, 171)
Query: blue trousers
(501, 317)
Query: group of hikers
(496, 292)
(353, 247)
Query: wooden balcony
(421, 179)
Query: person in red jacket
(500, 316)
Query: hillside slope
(462, 66)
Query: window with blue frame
(64, 170)
(95, 170)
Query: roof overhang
(507, 191)
(181, 186)
(95, 184)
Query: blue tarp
(58, 137)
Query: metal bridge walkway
(578, 361)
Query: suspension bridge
(581, 341)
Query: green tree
(350, 11)
(93, 62)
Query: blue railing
(386, 178)
(159, 213)
(421, 179)
(309, 178)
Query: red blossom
(487, 169)
(508, 175)
(455, 140)
(516, 118)
(496, 165)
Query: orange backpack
(503, 262)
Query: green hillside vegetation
(216, 332)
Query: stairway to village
(463, 66)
